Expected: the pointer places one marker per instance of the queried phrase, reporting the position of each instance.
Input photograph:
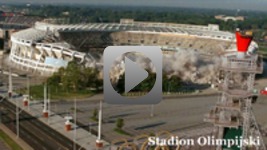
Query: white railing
(60, 49)
(39, 66)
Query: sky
(222, 4)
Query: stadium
(45, 47)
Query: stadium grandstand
(45, 47)
(7, 14)
(10, 20)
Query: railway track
(38, 135)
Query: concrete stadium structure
(10, 23)
(46, 47)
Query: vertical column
(45, 112)
(220, 136)
(99, 142)
(39, 57)
(27, 98)
(30, 58)
(10, 86)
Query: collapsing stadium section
(37, 48)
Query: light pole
(75, 123)
(17, 116)
(152, 111)
(49, 104)
(100, 120)
(10, 85)
(10, 91)
(18, 111)
(27, 98)
(99, 142)
(28, 85)
(45, 111)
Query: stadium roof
(203, 31)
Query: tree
(120, 86)
(145, 85)
(54, 80)
(119, 123)
(169, 84)
(75, 77)
(72, 76)
(89, 77)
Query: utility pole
(28, 85)
(49, 104)
(99, 142)
(17, 117)
(10, 86)
(45, 111)
(18, 111)
(75, 122)
(152, 111)
(26, 99)
(100, 120)
(10, 90)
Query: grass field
(10, 143)
(56, 93)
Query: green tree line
(76, 77)
(169, 84)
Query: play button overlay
(134, 74)
(132, 78)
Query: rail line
(33, 131)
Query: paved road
(171, 114)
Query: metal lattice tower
(234, 108)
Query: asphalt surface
(174, 114)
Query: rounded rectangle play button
(134, 74)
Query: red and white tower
(232, 115)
